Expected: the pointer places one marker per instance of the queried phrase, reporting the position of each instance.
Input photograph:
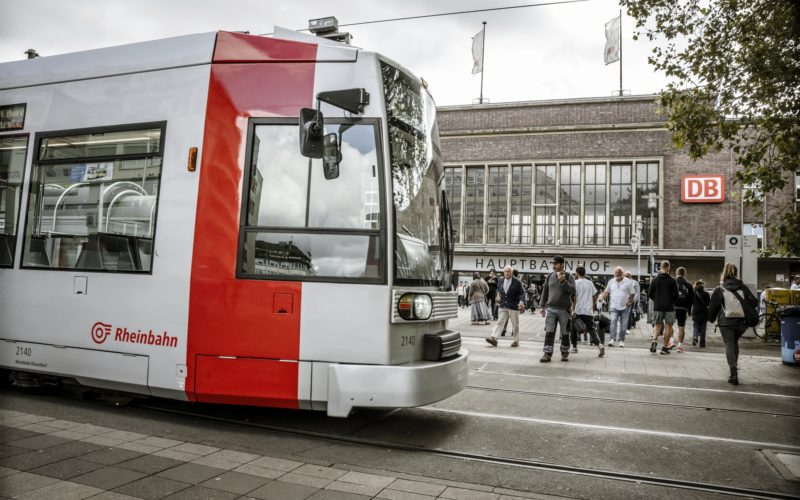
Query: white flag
(612, 40)
(477, 53)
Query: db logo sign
(100, 332)
(702, 189)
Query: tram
(227, 218)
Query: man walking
(664, 293)
(683, 306)
(491, 300)
(511, 301)
(585, 294)
(622, 293)
(555, 305)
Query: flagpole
(620, 52)
(483, 61)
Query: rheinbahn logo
(101, 331)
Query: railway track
(481, 458)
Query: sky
(534, 53)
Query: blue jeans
(619, 319)
(699, 331)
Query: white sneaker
(621, 343)
(627, 332)
(610, 343)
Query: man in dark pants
(683, 306)
(556, 305)
(585, 297)
(511, 302)
(491, 280)
(664, 293)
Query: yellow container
(782, 297)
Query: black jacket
(717, 301)
(688, 301)
(515, 295)
(700, 307)
(664, 292)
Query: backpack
(734, 306)
(683, 292)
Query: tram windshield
(421, 243)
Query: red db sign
(702, 189)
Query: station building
(529, 180)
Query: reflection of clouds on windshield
(285, 173)
(331, 254)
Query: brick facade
(610, 129)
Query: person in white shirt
(585, 294)
(622, 292)
(796, 284)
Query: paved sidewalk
(43, 458)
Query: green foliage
(733, 68)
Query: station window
(13, 150)
(299, 225)
(545, 200)
(521, 202)
(497, 204)
(620, 199)
(93, 199)
(453, 177)
(570, 204)
(473, 205)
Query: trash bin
(790, 336)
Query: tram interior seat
(113, 252)
(37, 253)
(7, 243)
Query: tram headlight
(413, 306)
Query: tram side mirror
(312, 129)
(331, 156)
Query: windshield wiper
(404, 228)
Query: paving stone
(316, 482)
(276, 463)
(235, 482)
(110, 495)
(464, 494)
(335, 495)
(67, 469)
(141, 448)
(8, 435)
(191, 473)
(22, 482)
(94, 430)
(255, 470)
(402, 495)
(40, 428)
(195, 449)
(73, 449)
(108, 478)
(277, 490)
(103, 441)
(417, 487)
(111, 456)
(319, 471)
(62, 424)
(29, 460)
(219, 463)
(149, 464)
(152, 488)
(200, 492)
(176, 455)
(6, 450)
(367, 479)
(5, 471)
(124, 435)
(39, 442)
(234, 456)
(70, 434)
(62, 490)
(158, 442)
(358, 489)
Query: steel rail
(506, 461)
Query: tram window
(12, 165)
(300, 224)
(93, 200)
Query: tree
(733, 68)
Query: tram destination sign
(541, 264)
(12, 117)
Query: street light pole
(639, 226)
(652, 204)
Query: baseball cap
(557, 260)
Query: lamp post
(652, 205)
(639, 227)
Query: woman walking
(700, 313)
(476, 292)
(732, 321)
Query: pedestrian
(515, 273)
(732, 305)
(462, 294)
(491, 299)
(479, 311)
(585, 302)
(633, 316)
(622, 293)
(664, 292)
(700, 313)
(796, 284)
(683, 306)
(555, 305)
(510, 301)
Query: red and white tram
(164, 234)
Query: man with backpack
(683, 306)
(733, 307)
(664, 293)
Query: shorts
(667, 317)
(680, 315)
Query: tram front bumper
(395, 386)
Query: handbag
(579, 326)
